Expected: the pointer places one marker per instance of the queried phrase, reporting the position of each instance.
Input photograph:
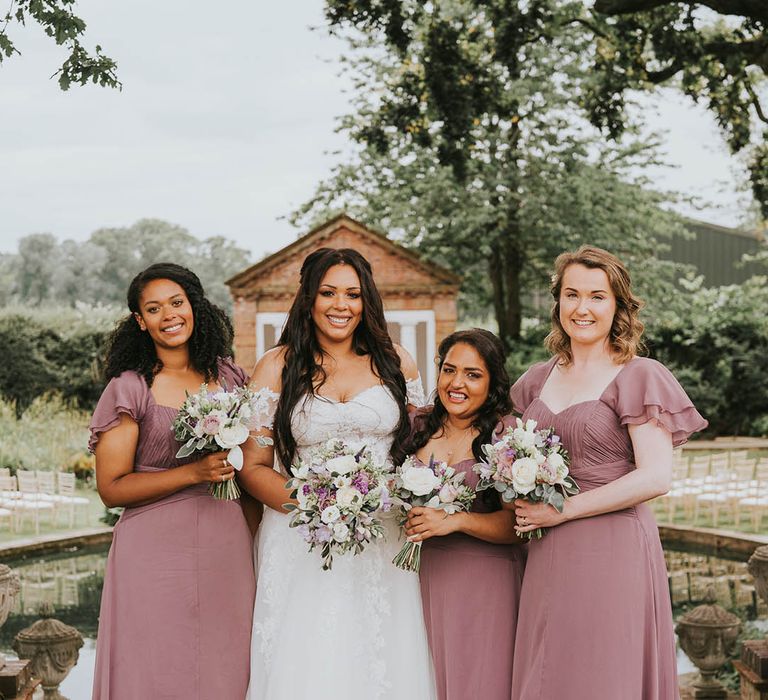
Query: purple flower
(323, 534)
(361, 483)
(306, 490)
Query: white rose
(230, 437)
(340, 532)
(555, 460)
(525, 439)
(419, 480)
(341, 465)
(524, 475)
(341, 481)
(448, 493)
(330, 514)
(347, 495)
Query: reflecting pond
(72, 581)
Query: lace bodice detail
(367, 419)
(364, 605)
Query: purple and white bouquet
(433, 485)
(530, 464)
(340, 492)
(209, 421)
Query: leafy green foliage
(59, 21)
(461, 63)
(99, 270)
(640, 44)
(476, 153)
(38, 360)
(46, 436)
(715, 341)
(59, 351)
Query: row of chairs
(39, 494)
(737, 462)
(723, 486)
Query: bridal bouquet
(340, 491)
(433, 485)
(210, 421)
(527, 463)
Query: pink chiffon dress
(177, 601)
(470, 591)
(595, 618)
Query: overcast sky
(224, 125)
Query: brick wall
(403, 283)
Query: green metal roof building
(716, 252)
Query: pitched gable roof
(347, 231)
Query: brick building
(419, 297)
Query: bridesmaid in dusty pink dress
(178, 593)
(471, 563)
(595, 618)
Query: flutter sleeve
(646, 390)
(525, 389)
(231, 373)
(127, 394)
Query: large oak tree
(716, 51)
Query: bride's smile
(338, 305)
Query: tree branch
(591, 26)
(756, 103)
(661, 76)
(756, 9)
(754, 50)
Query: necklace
(459, 446)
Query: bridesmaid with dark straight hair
(595, 616)
(178, 593)
(471, 563)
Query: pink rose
(448, 493)
(211, 424)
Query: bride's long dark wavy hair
(303, 372)
(498, 404)
(130, 348)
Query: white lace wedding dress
(355, 632)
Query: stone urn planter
(9, 588)
(707, 635)
(758, 567)
(54, 649)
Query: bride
(357, 630)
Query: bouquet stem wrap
(433, 485)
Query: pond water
(72, 582)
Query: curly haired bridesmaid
(595, 617)
(178, 593)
